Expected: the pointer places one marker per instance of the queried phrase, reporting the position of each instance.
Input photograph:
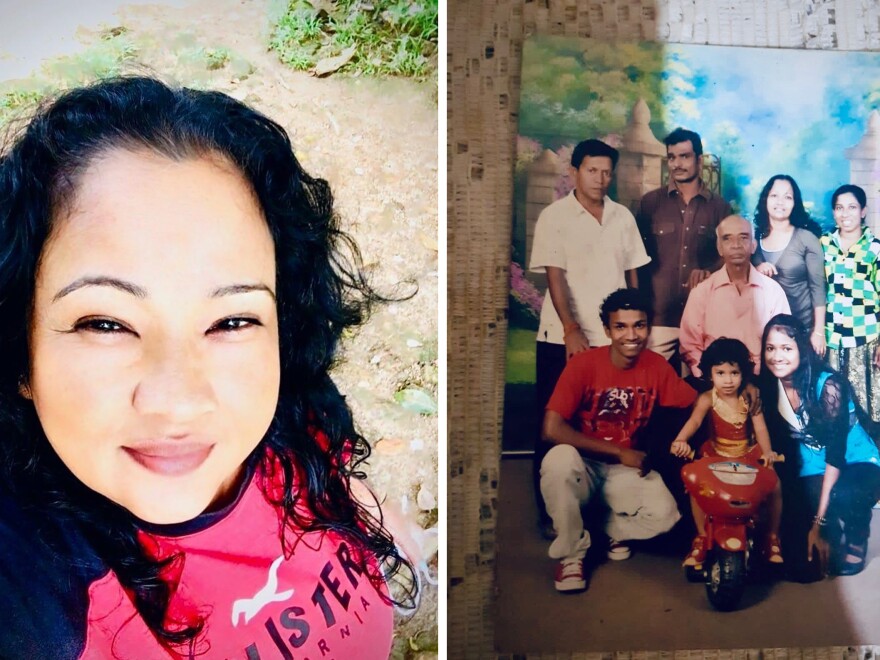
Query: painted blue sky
(789, 111)
(763, 111)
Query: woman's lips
(171, 458)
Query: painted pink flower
(527, 150)
(527, 146)
(564, 184)
(524, 291)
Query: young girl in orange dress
(738, 430)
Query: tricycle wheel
(726, 579)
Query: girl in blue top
(831, 478)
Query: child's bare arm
(763, 438)
(680, 445)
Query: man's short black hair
(625, 299)
(593, 148)
(680, 135)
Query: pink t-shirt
(314, 603)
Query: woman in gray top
(789, 252)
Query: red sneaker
(618, 551)
(570, 575)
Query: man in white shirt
(589, 246)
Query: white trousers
(641, 507)
(664, 340)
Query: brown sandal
(697, 555)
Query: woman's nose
(174, 384)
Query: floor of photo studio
(645, 602)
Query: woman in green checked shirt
(852, 326)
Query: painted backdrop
(811, 114)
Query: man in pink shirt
(735, 301)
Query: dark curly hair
(321, 291)
(799, 216)
(725, 350)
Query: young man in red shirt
(602, 400)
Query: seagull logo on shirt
(250, 607)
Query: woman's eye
(100, 326)
(234, 324)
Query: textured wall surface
(484, 51)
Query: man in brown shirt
(677, 223)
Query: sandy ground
(375, 141)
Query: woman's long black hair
(826, 413)
(799, 216)
(320, 292)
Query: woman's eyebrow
(233, 289)
(140, 292)
(101, 280)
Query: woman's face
(848, 213)
(780, 200)
(781, 354)
(154, 337)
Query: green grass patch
(108, 57)
(16, 99)
(520, 356)
(389, 37)
(216, 58)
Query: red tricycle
(730, 492)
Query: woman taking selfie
(789, 252)
(831, 475)
(180, 474)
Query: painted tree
(576, 89)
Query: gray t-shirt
(772, 256)
(801, 266)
